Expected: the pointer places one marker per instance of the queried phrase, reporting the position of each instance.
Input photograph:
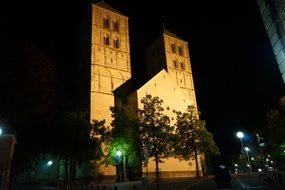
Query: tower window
(180, 50)
(182, 65)
(115, 25)
(175, 63)
(106, 40)
(173, 48)
(106, 22)
(116, 43)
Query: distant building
(105, 70)
(273, 16)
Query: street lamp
(240, 135)
(261, 152)
(248, 160)
(119, 154)
(49, 163)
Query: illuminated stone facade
(169, 77)
(171, 53)
(110, 58)
(110, 62)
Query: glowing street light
(49, 163)
(248, 160)
(0, 131)
(240, 136)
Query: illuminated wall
(110, 58)
(110, 68)
(171, 53)
(110, 62)
(162, 85)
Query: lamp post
(248, 160)
(261, 152)
(119, 154)
(240, 135)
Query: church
(105, 70)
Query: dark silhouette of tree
(155, 130)
(28, 99)
(192, 137)
(79, 141)
(275, 132)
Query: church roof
(104, 5)
(168, 33)
(126, 88)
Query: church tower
(110, 58)
(171, 53)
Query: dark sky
(235, 72)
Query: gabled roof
(125, 89)
(165, 88)
(168, 33)
(104, 5)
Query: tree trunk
(156, 168)
(197, 166)
(65, 172)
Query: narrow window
(106, 40)
(173, 48)
(175, 63)
(116, 43)
(182, 65)
(106, 23)
(180, 50)
(115, 25)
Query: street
(241, 181)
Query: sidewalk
(166, 184)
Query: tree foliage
(28, 100)
(124, 135)
(192, 137)
(155, 130)
(78, 141)
(275, 131)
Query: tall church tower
(171, 53)
(110, 58)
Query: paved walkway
(138, 185)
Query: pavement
(183, 183)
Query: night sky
(235, 73)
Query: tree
(29, 100)
(155, 130)
(79, 141)
(275, 131)
(192, 136)
(124, 136)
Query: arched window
(180, 50)
(116, 43)
(106, 22)
(182, 65)
(106, 40)
(175, 63)
(115, 25)
(173, 47)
